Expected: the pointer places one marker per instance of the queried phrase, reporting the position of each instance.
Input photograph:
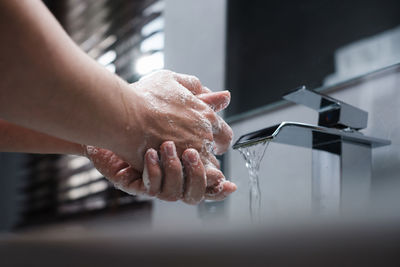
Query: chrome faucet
(341, 155)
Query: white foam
(91, 150)
(217, 189)
(207, 147)
(204, 124)
(216, 127)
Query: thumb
(216, 100)
(105, 161)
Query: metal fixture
(341, 155)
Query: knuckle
(206, 89)
(210, 114)
(173, 167)
(163, 72)
(195, 81)
(210, 118)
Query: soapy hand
(163, 178)
(176, 107)
(171, 106)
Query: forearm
(14, 138)
(50, 85)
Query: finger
(222, 133)
(191, 83)
(225, 188)
(172, 185)
(195, 185)
(209, 160)
(152, 174)
(105, 161)
(206, 90)
(214, 178)
(117, 171)
(218, 187)
(223, 136)
(215, 184)
(127, 180)
(216, 100)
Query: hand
(164, 179)
(171, 106)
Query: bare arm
(48, 84)
(163, 180)
(14, 138)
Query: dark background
(274, 46)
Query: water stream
(253, 156)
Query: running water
(253, 156)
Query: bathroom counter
(312, 245)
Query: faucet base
(341, 182)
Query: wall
(195, 39)
(194, 44)
(284, 44)
(366, 55)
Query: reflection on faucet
(341, 160)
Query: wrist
(129, 136)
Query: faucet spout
(307, 135)
(341, 155)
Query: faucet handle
(333, 113)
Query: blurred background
(258, 50)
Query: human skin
(166, 179)
(165, 176)
(54, 88)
